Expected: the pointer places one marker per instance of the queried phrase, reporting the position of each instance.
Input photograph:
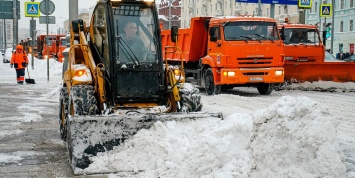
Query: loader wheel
(190, 98)
(265, 89)
(210, 87)
(63, 112)
(82, 101)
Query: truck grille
(254, 61)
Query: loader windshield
(251, 30)
(134, 29)
(301, 35)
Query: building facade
(343, 25)
(217, 8)
(170, 12)
(6, 33)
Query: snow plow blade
(327, 71)
(89, 135)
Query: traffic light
(327, 33)
(327, 30)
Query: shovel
(29, 80)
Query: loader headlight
(79, 73)
(45, 57)
(279, 72)
(177, 72)
(228, 73)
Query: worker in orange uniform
(19, 60)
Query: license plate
(256, 78)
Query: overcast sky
(61, 12)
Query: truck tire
(63, 112)
(210, 87)
(190, 98)
(265, 89)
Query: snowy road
(29, 136)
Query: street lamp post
(170, 2)
(33, 45)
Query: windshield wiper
(262, 36)
(127, 51)
(246, 38)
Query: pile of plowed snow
(294, 137)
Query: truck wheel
(82, 100)
(209, 82)
(265, 89)
(63, 112)
(190, 98)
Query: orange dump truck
(226, 52)
(305, 57)
(61, 47)
(53, 46)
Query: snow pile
(177, 149)
(322, 85)
(294, 137)
(41, 66)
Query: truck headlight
(228, 73)
(279, 72)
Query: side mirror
(212, 33)
(283, 37)
(174, 33)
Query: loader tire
(82, 101)
(210, 87)
(190, 98)
(63, 112)
(265, 89)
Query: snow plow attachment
(89, 135)
(326, 71)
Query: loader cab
(126, 37)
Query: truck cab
(226, 52)
(302, 43)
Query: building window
(316, 7)
(342, 4)
(351, 3)
(279, 10)
(351, 25)
(341, 26)
(267, 12)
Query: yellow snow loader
(114, 85)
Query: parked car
(330, 58)
(7, 55)
(1, 55)
(350, 58)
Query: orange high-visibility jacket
(18, 59)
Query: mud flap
(89, 135)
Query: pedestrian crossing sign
(326, 10)
(32, 9)
(305, 4)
